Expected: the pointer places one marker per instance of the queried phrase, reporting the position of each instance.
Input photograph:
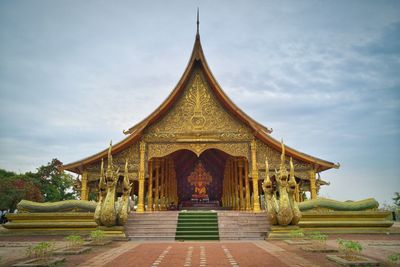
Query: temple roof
(198, 59)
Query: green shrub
(394, 258)
(296, 234)
(74, 241)
(349, 247)
(41, 250)
(97, 236)
(318, 238)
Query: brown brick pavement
(108, 256)
(204, 254)
(258, 253)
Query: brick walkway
(188, 254)
(274, 253)
(109, 256)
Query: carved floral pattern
(197, 112)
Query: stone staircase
(197, 225)
(235, 225)
(156, 226)
(163, 226)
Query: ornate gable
(197, 115)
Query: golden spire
(198, 22)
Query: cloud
(323, 75)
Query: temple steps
(197, 226)
(155, 226)
(242, 225)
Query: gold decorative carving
(197, 97)
(197, 116)
(131, 153)
(157, 150)
(274, 159)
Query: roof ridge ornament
(198, 22)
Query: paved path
(200, 254)
(109, 256)
(190, 254)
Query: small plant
(349, 248)
(296, 234)
(41, 250)
(74, 241)
(318, 238)
(97, 236)
(394, 259)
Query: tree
(56, 185)
(14, 187)
(396, 199)
(49, 183)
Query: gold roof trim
(134, 133)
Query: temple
(199, 147)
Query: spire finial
(198, 22)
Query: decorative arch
(236, 149)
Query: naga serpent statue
(108, 212)
(284, 211)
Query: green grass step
(207, 233)
(197, 237)
(197, 228)
(198, 216)
(197, 212)
(197, 220)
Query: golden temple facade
(199, 123)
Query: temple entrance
(183, 180)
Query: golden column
(157, 184)
(175, 185)
(254, 174)
(84, 190)
(229, 183)
(150, 193)
(236, 178)
(247, 186)
(168, 182)
(313, 186)
(233, 184)
(240, 170)
(140, 207)
(227, 193)
(226, 189)
(162, 185)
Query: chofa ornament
(109, 212)
(285, 210)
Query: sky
(325, 75)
